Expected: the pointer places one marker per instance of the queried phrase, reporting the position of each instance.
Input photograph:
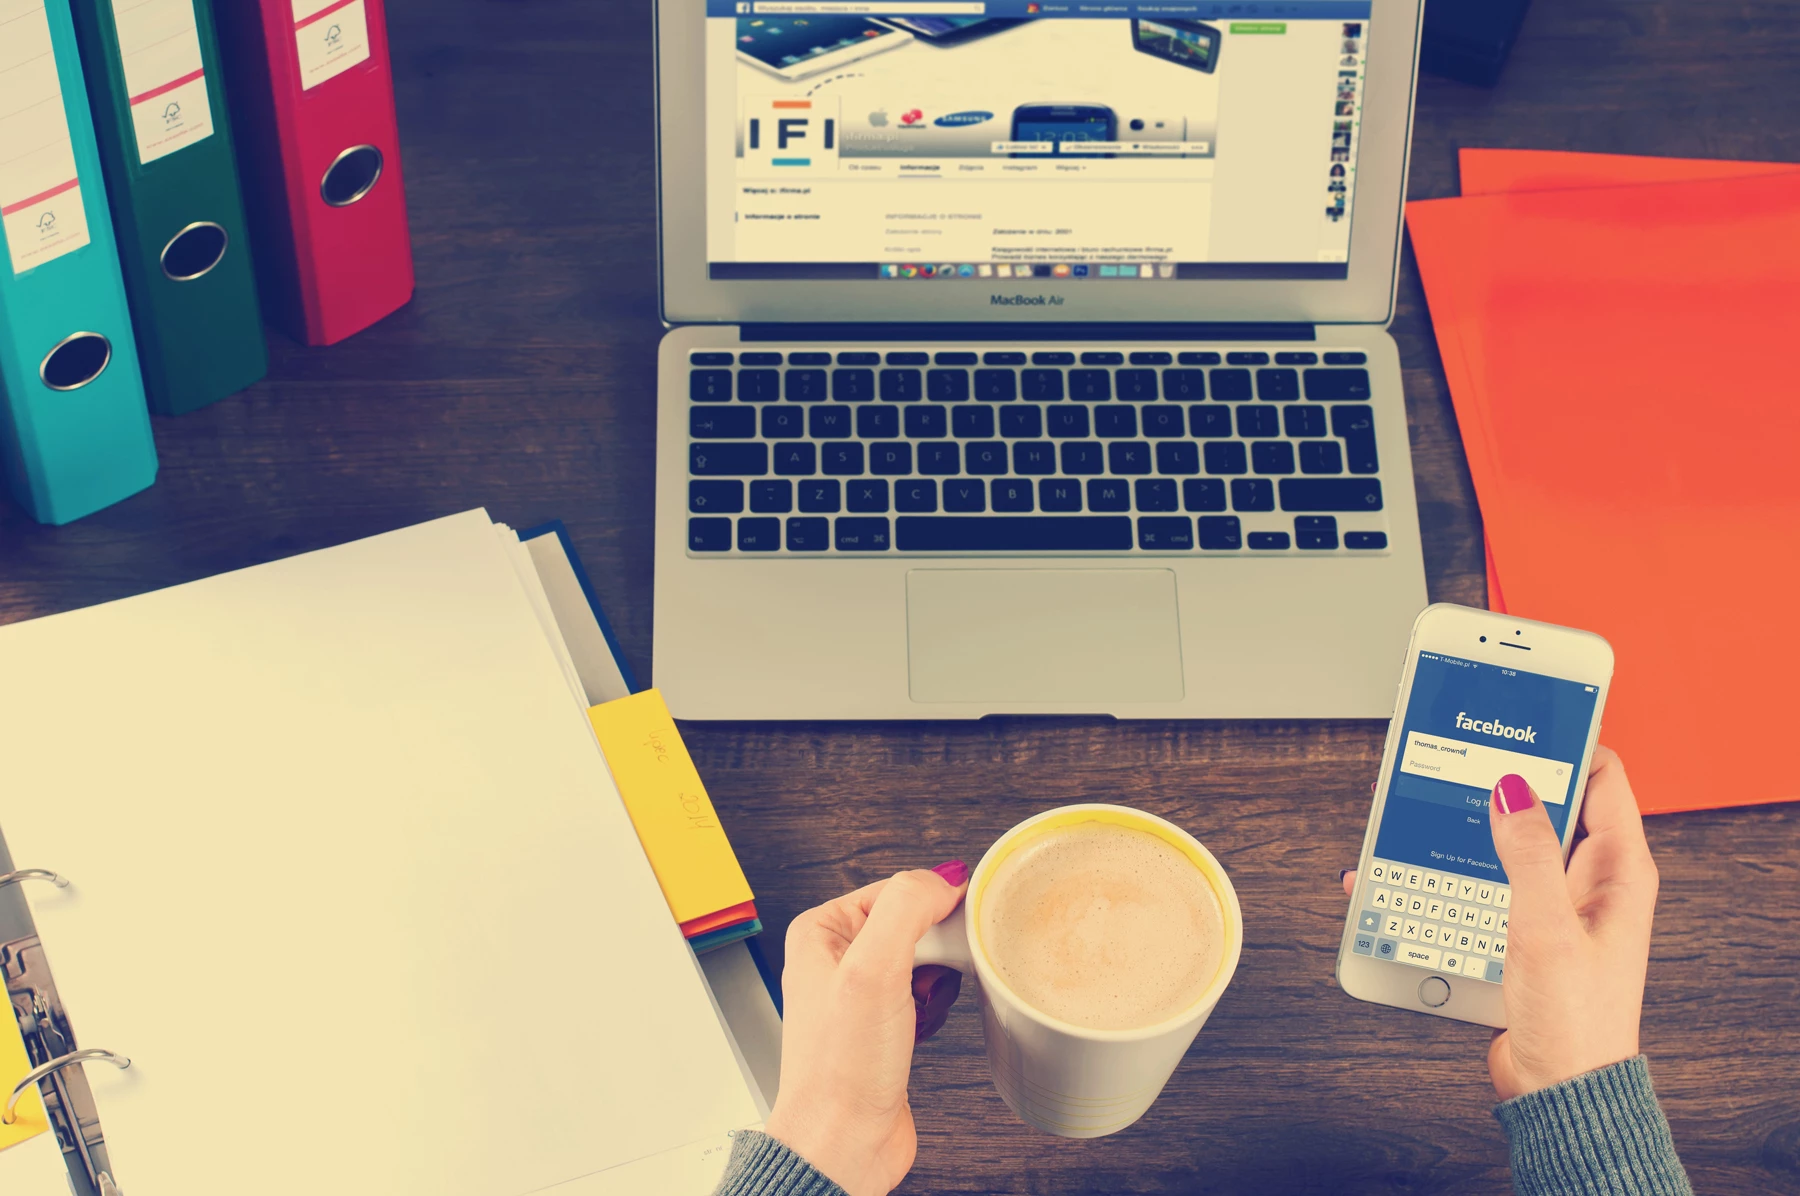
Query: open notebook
(353, 889)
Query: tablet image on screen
(951, 31)
(1188, 43)
(795, 47)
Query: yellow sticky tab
(675, 821)
(29, 1119)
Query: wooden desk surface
(522, 378)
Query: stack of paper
(1617, 336)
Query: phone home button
(1434, 990)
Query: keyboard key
(1252, 494)
(1041, 386)
(972, 421)
(820, 495)
(862, 535)
(1365, 540)
(759, 359)
(1059, 495)
(759, 386)
(709, 535)
(1104, 357)
(1016, 422)
(1115, 420)
(1345, 358)
(915, 495)
(926, 423)
(809, 359)
(1090, 386)
(909, 358)
(1052, 358)
(1296, 359)
(720, 498)
(1357, 427)
(1034, 457)
(1303, 421)
(947, 386)
(1164, 420)
(1331, 494)
(1220, 532)
(1247, 358)
(965, 496)
(796, 460)
(957, 359)
(1268, 541)
(859, 358)
(996, 386)
(1151, 358)
(890, 459)
(1315, 531)
(721, 423)
(808, 535)
(985, 456)
(710, 386)
(1210, 422)
(1173, 456)
(1272, 456)
(1082, 457)
(1161, 533)
(828, 423)
(1137, 386)
(1226, 457)
(727, 460)
(1003, 358)
(1157, 494)
(853, 386)
(1184, 386)
(772, 498)
(877, 423)
(1128, 456)
(1041, 533)
(1064, 422)
(1320, 456)
(1108, 495)
(940, 457)
(1277, 386)
(1231, 386)
(781, 423)
(868, 497)
(1336, 386)
(1012, 495)
(1203, 494)
(1258, 421)
(841, 458)
(1199, 359)
(758, 534)
(902, 386)
(709, 359)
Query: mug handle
(947, 943)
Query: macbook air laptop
(1028, 361)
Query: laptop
(1023, 361)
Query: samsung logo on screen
(1522, 734)
(960, 119)
(1025, 300)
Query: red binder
(313, 97)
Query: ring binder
(13, 878)
(56, 1065)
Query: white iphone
(1482, 695)
(795, 48)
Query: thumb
(1531, 854)
(909, 905)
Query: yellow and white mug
(1058, 1077)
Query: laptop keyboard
(1131, 451)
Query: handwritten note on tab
(164, 76)
(332, 36)
(40, 190)
(30, 1120)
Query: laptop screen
(984, 139)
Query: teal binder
(74, 429)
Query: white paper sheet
(33, 1167)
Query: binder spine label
(332, 36)
(164, 75)
(41, 208)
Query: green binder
(157, 92)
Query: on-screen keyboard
(1440, 921)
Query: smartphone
(953, 31)
(798, 47)
(1065, 124)
(1481, 695)
(1187, 43)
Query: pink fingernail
(1512, 794)
(954, 872)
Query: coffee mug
(1061, 1078)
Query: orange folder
(1619, 359)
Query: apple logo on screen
(878, 118)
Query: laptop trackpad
(1035, 636)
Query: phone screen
(1065, 125)
(783, 42)
(1189, 44)
(1435, 895)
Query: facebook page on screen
(1465, 726)
(1015, 138)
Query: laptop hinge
(998, 332)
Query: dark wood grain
(522, 378)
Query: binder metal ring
(194, 251)
(13, 878)
(75, 361)
(56, 1065)
(351, 175)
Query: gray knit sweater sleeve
(1599, 1134)
(761, 1166)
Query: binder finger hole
(352, 176)
(195, 250)
(76, 362)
